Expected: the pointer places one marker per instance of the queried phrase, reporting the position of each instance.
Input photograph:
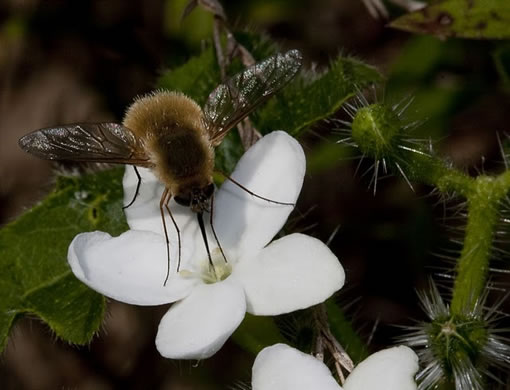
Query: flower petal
(281, 367)
(292, 273)
(198, 326)
(273, 168)
(389, 369)
(144, 213)
(130, 268)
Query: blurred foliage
(327, 155)
(257, 332)
(36, 278)
(442, 79)
(415, 74)
(191, 30)
(479, 19)
(13, 28)
(267, 11)
(501, 57)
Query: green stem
(344, 332)
(429, 169)
(472, 267)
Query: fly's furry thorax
(172, 128)
(154, 113)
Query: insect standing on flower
(169, 133)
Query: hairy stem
(484, 196)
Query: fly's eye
(209, 190)
(182, 200)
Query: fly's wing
(233, 100)
(92, 142)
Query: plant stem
(483, 199)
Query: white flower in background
(281, 367)
(261, 277)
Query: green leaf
(478, 19)
(228, 153)
(306, 101)
(36, 278)
(255, 333)
(342, 329)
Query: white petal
(199, 325)
(144, 213)
(389, 369)
(281, 367)
(130, 268)
(294, 272)
(273, 168)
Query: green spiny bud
(375, 129)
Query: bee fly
(169, 133)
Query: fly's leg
(253, 193)
(214, 231)
(137, 188)
(178, 234)
(166, 194)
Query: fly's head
(198, 199)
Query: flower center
(220, 270)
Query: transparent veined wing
(92, 142)
(237, 97)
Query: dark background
(72, 61)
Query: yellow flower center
(220, 270)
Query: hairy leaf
(36, 278)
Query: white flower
(263, 278)
(281, 367)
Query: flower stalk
(483, 198)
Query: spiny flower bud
(458, 351)
(375, 129)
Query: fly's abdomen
(182, 156)
(183, 153)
